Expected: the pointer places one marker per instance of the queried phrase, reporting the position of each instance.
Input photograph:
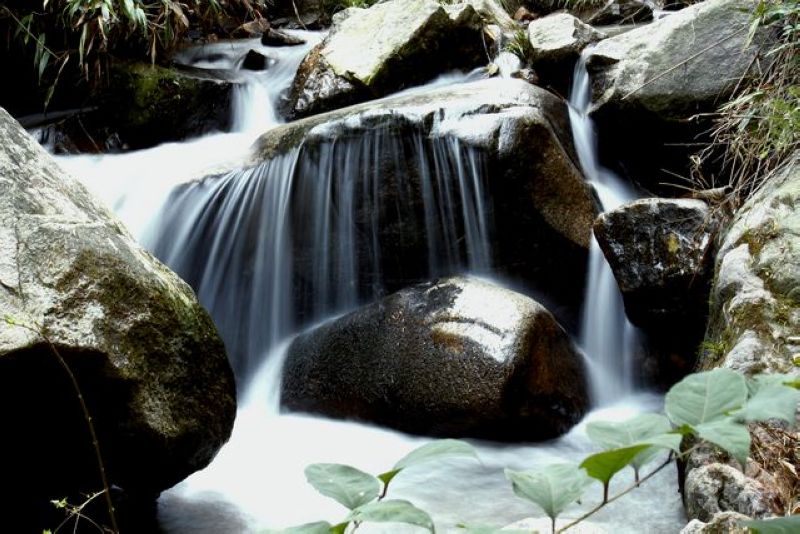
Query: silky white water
(257, 480)
(607, 336)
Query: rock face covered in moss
(147, 357)
(151, 105)
(755, 307)
(456, 357)
(373, 52)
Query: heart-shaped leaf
(347, 485)
(771, 402)
(777, 525)
(731, 436)
(604, 465)
(392, 511)
(436, 450)
(552, 487)
(635, 431)
(703, 397)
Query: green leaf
(319, 527)
(388, 476)
(347, 485)
(778, 525)
(436, 450)
(552, 487)
(729, 435)
(758, 382)
(703, 397)
(635, 431)
(771, 402)
(392, 511)
(604, 465)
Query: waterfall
(323, 228)
(606, 335)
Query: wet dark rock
(273, 37)
(254, 28)
(147, 357)
(621, 12)
(254, 60)
(457, 357)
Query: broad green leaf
(729, 435)
(703, 397)
(778, 525)
(436, 450)
(671, 441)
(392, 511)
(319, 527)
(552, 487)
(771, 402)
(347, 485)
(758, 382)
(635, 431)
(604, 465)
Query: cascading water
(310, 223)
(242, 237)
(606, 334)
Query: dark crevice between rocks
(48, 426)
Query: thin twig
(87, 417)
(617, 496)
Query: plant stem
(87, 417)
(617, 496)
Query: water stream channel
(203, 229)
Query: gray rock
(649, 81)
(557, 41)
(621, 12)
(394, 44)
(273, 37)
(720, 523)
(560, 37)
(148, 359)
(715, 488)
(677, 66)
(456, 357)
(660, 252)
(754, 323)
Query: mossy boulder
(391, 45)
(147, 357)
(455, 357)
(755, 306)
(148, 104)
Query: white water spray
(606, 334)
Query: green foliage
(704, 397)
(758, 129)
(552, 488)
(362, 494)
(604, 465)
(85, 32)
(520, 46)
(778, 525)
(346, 485)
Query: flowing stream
(239, 236)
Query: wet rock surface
(455, 357)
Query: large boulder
(661, 254)
(147, 358)
(373, 52)
(456, 357)
(649, 81)
(754, 321)
(621, 12)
